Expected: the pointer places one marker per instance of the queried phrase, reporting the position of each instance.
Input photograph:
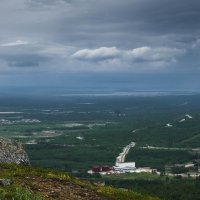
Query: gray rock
(12, 152)
(5, 182)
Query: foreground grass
(17, 192)
(39, 184)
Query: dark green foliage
(179, 170)
(159, 158)
(172, 189)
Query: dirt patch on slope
(59, 189)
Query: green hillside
(27, 183)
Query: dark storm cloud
(130, 22)
(22, 54)
(25, 63)
(137, 36)
(92, 22)
(26, 60)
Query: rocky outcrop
(12, 152)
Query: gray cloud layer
(135, 36)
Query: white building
(125, 167)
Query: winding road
(122, 155)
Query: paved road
(173, 148)
(122, 155)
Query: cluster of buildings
(120, 168)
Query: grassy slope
(40, 184)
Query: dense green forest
(169, 189)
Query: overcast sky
(134, 44)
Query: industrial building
(125, 167)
